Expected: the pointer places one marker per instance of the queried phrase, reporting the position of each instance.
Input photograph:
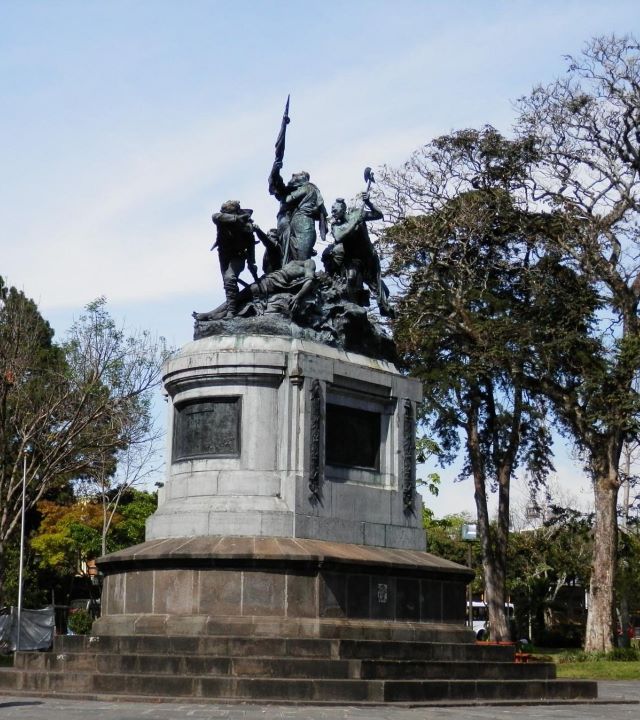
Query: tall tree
(127, 366)
(587, 130)
(475, 279)
(33, 421)
(67, 410)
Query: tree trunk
(2, 571)
(600, 632)
(495, 596)
(492, 564)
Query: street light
(24, 494)
(469, 533)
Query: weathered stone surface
(278, 669)
(281, 483)
(174, 591)
(302, 593)
(213, 548)
(263, 593)
(220, 593)
(138, 592)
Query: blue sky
(126, 124)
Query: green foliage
(427, 448)
(79, 412)
(71, 534)
(135, 507)
(483, 302)
(68, 535)
(444, 539)
(36, 585)
(628, 568)
(615, 655)
(80, 622)
(482, 308)
(549, 569)
(33, 376)
(520, 290)
(623, 654)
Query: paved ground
(22, 708)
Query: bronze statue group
(288, 266)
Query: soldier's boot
(230, 285)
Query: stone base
(279, 620)
(214, 669)
(283, 587)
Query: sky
(125, 124)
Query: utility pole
(20, 574)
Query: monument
(290, 498)
(286, 560)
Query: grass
(600, 670)
(575, 664)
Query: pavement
(617, 701)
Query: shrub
(616, 655)
(623, 654)
(80, 622)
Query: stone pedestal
(281, 587)
(277, 437)
(289, 506)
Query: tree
(544, 563)
(34, 424)
(629, 482)
(70, 534)
(128, 367)
(67, 410)
(586, 128)
(135, 507)
(475, 278)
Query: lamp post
(469, 533)
(24, 494)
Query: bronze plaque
(352, 437)
(207, 428)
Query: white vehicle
(480, 615)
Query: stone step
(205, 645)
(222, 646)
(389, 650)
(278, 667)
(488, 690)
(338, 629)
(448, 670)
(188, 665)
(292, 689)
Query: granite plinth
(299, 586)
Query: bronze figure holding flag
(301, 205)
